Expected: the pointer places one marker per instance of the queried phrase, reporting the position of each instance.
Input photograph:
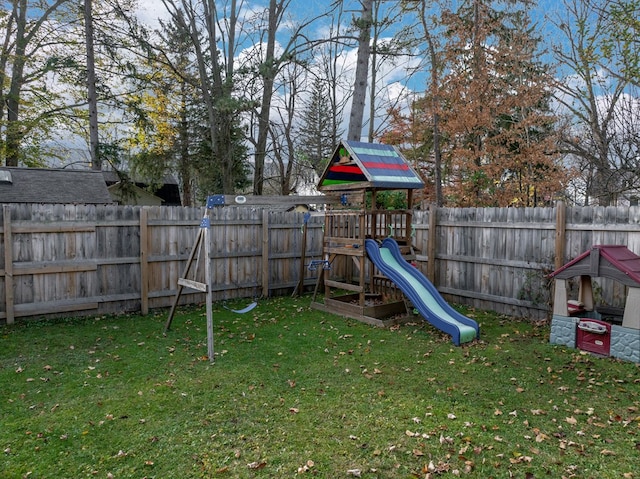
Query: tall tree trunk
(4, 59)
(14, 131)
(362, 71)
(435, 106)
(92, 96)
(373, 55)
(269, 68)
(24, 35)
(184, 162)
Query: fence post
(431, 243)
(265, 253)
(144, 260)
(8, 264)
(561, 229)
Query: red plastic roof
(617, 256)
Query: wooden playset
(357, 172)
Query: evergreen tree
(316, 137)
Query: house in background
(80, 186)
(137, 192)
(44, 185)
(132, 194)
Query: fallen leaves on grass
(307, 467)
(520, 458)
(541, 437)
(435, 468)
(256, 465)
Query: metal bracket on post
(215, 200)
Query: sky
(397, 83)
(393, 75)
(545, 13)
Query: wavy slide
(422, 293)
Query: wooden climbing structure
(357, 173)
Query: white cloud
(150, 11)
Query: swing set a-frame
(191, 270)
(201, 253)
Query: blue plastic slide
(422, 293)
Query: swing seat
(246, 309)
(313, 265)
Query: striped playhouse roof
(358, 165)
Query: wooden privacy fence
(498, 258)
(86, 259)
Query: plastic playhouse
(579, 323)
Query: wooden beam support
(265, 253)
(289, 200)
(561, 234)
(8, 264)
(144, 261)
(431, 243)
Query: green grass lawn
(295, 392)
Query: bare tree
(390, 49)
(269, 70)
(597, 131)
(288, 173)
(621, 37)
(216, 68)
(331, 72)
(435, 71)
(269, 58)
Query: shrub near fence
(88, 259)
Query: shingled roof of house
(43, 185)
